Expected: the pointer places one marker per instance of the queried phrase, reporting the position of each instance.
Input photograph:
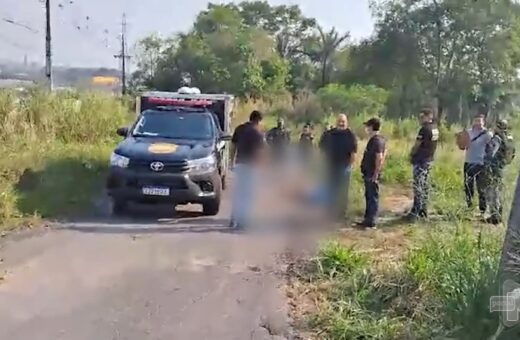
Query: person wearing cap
(371, 166)
(499, 152)
(421, 157)
(339, 146)
(278, 138)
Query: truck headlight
(118, 160)
(205, 164)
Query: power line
(20, 24)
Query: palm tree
(326, 45)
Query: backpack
(509, 150)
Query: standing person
(421, 156)
(306, 143)
(474, 173)
(245, 153)
(371, 166)
(500, 152)
(279, 139)
(340, 147)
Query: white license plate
(153, 191)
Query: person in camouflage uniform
(278, 138)
(494, 163)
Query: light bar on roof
(178, 102)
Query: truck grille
(169, 167)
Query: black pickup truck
(175, 152)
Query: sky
(86, 32)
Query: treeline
(454, 54)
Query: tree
(322, 47)
(453, 50)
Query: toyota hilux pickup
(175, 152)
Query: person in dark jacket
(339, 146)
(421, 157)
(371, 167)
(278, 138)
(306, 143)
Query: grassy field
(426, 281)
(432, 280)
(55, 151)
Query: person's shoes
(411, 217)
(233, 225)
(493, 220)
(365, 225)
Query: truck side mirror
(225, 137)
(123, 132)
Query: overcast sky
(86, 31)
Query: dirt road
(150, 278)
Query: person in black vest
(279, 138)
(371, 166)
(339, 146)
(306, 143)
(421, 157)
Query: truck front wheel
(119, 206)
(212, 207)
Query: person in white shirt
(474, 174)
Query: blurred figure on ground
(500, 151)
(339, 146)
(279, 139)
(474, 175)
(371, 166)
(246, 150)
(306, 143)
(421, 157)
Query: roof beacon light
(178, 102)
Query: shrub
(367, 100)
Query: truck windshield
(176, 125)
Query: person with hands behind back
(371, 166)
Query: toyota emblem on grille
(157, 166)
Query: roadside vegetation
(431, 280)
(55, 149)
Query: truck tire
(212, 207)
(119, 206)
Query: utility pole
(123, 55)
(48, 49)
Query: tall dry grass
(55, 149)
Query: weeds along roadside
(55, 151)
(437, 286)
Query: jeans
(242, 193)
(339, 182)
(371, 200)
(421, 189)
(474, 174)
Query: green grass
(440, 288)
(55, 150)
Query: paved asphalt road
(183, 278)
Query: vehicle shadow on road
(144, 219)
